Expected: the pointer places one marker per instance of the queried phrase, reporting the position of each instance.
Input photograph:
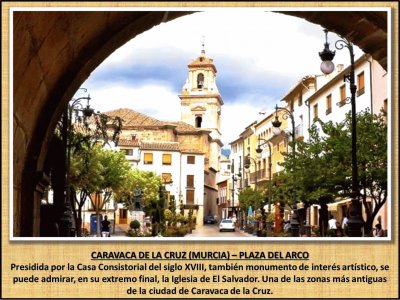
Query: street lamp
(82, 113)
(95, 126)
(355, 219)
(277, 125)
(247, 163)
(294, 220)
(235, 178)
(259, 152)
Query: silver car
(227, 224)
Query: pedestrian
(379, 231)
(345, 222)
(234, 220)
(287, 226)
(105, 227)
(332, 226)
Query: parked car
(209, 220)
(227, 224)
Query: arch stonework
(54, 52)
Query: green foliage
(322, 167)
(271, 217)
(148, 182)
(135, 225)
(250, 197)
(86, 170)
(115, 170)
(95, 170)
(168, 216)
(176, 231)
(182, 219)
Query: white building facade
(327, 98)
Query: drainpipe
(307, 103)
(370, 85)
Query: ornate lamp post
(259, 152)
(355, 220)
(247, 163)
(78, 114)
(294, 220)
(81, 114)
(235, 178)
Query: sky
(259, 57)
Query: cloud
(235, 118)
(157, 101)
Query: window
(191, 159)
(166, 159)
(166, 178)
(328, 104)
(315, 110)
(198, 121)
(342, 95)
(200, 80)
(190, 181)
(189, 196)
(360, 84)
(128, 151)
(300, 99)
(148, 158)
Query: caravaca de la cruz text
(197, 255)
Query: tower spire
(203, 51)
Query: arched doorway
(54, 52)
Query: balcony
(298, 131)
(259, 175)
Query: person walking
(234, 220)
(105, 227)
(345, 222)
(332, 226)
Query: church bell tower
(201, 101)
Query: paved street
(200, 231)
(213, 231)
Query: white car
(226, 224)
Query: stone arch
(55, 52)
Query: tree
(80, 129)
(321, 170)
(95, 174)
(372, 161)
(250, 197)
(148, 182)
(372, 158)
(85, 177)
